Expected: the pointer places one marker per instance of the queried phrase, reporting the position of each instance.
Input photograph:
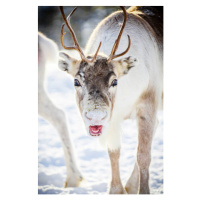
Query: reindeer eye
(114, 82)
(76, 83)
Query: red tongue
(95, 129)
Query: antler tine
(67, 22)
(94, 58)
(116, 44)
(76, 47)
(123, 53)
(61, 39)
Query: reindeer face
(96, 87)
(95, 79)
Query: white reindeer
(109, 91)
(48, 52)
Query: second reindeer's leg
(57, 118)
(116, 185)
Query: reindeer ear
(125, 64)
(67, 63)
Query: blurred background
(83, 21)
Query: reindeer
(123, 81)
(48, 52)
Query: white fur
(145, 78)
(95, 117)
(139, 78)
(148, 74)
(48, 52)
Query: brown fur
(96, 77)
(146, 118)
(116, 184)
(153, 15)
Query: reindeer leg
(146, 118)
(116, 185)
(132, 184)
(58, 119)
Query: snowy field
(92, 159)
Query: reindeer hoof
(73, 181)
(117, 190)
(131, 190)
(124, 191)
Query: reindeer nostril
(87, 116)
(104, 116)
(96, 115)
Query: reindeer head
(95, 79)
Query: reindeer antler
(116, 44)
(76, 45)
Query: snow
(92, 159)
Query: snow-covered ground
(92, 158)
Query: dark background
(83, 21)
